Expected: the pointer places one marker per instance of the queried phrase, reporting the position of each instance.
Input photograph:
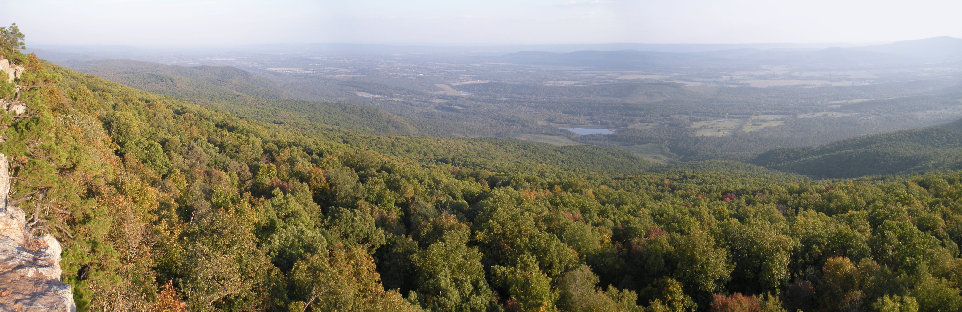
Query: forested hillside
(901, 152)
(163, 204)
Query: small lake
(587, 131)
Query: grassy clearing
(716, 128)
(652, 151)
(756, 123)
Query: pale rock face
(12, 71)
(4, 180)
(13, 107)
(29, 265)
(17, 108)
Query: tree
(735, 303)
(934, 294)
(670, 297)
(760, 253)
(342, 279)
(450, 276)
(578, 292)
(701, 267)
(169, 300)
(899, 244)
(651, 258)
(896, 303)
(525, 285)
(841, 285)
(507, 231)
(11, 40)
(224, 268)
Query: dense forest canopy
(166, 205)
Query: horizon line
(468, 44)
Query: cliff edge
(29, 265)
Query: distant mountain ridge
(938, 49)
(930, 48)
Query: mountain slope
(901, 152)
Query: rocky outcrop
(29, 265)
(12, 71)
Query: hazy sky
(220, 22)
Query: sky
(237, 22)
